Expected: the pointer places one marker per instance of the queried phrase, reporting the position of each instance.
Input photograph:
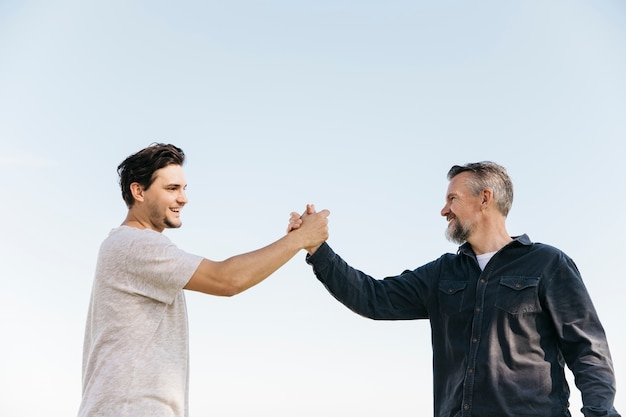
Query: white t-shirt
(136, 349)
(484, 259)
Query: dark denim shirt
(500, 337)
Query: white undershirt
(484, 258)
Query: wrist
(312, 249)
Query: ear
(487, 197)
(137, 191)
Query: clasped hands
(313, 222)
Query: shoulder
(543, 250)
(549, 251)
(553, 261)
(131, 243)
(133, 233)
(125, 235)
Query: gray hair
(490, 175)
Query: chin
(173, 225)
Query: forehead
(171, 174)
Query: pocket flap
(452, 287)
(519, 283)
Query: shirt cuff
(321, 253)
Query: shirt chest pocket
(451, 296)
(518, 295)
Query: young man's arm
(240, 272)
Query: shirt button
(478, 309)
(475, 340)
(518, 286)
(466, 406)
(482, 281)
(470, 371)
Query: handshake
(312, 225)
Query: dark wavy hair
(488, 174)
(141, 166)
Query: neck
(493, 245)
(490, 240)
(133, 220)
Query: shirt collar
(524, 240)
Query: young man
(506, 314)
(135, 359)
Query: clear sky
(359, 107)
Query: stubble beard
(167, 222)
(171, 225)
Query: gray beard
(459, 233)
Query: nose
(182, 197)
(445, 210)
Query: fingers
(295, 221)
(310, 210)
(316, 221)
(319, 229)
(324, 213)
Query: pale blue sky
(360, 107)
